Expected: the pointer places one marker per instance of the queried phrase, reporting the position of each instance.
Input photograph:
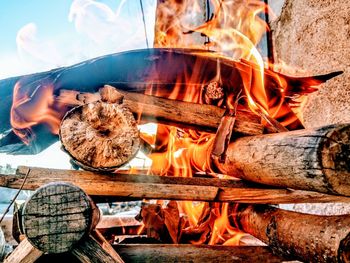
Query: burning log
(311, 159)
(153, 69)
(102, 135)
(61, 218)
(131, 187)
(310, 238)
(173, 112)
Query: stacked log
(311, 159)
(58, 218)
(310, 238)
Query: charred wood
(138, 71)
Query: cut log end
(100, 135)
(335, 157)
(57, 217)
(316, 159)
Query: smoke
(31, 48)
(95, 29)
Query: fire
(29, 109)
(234, 31)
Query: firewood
(57, 217)
(101, 135)
(138, 70)
(24, 253)
(177, 113)
(162, 187)
(60, 217)
(312, 159)
(195, 253)
(309, 238)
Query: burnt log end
(100, 135)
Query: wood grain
(189, 115)
(100, 135)
(24, 253)
(312, 159)
(91, 251)
(309, 238)
(195, 253)
(58, 216)
(155, 187)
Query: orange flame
(31, 109)
(234, 31)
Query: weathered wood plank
(195, 253)
(155, 187)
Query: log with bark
(182, 114)
(138, 70)
(309, 238)
(58, 218)
(130, 187)
(316, 159)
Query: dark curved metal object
(136, 71)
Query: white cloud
(99, 30)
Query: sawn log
(315, 159)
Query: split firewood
(312, 159)
(100, 135)
(164, 224)
(309, 238)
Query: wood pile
(302, 166)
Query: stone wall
(315, 36)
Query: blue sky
(62, 42)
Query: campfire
(229, 146)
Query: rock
(314, 36)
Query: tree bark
(311, 159)
(309, 238)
